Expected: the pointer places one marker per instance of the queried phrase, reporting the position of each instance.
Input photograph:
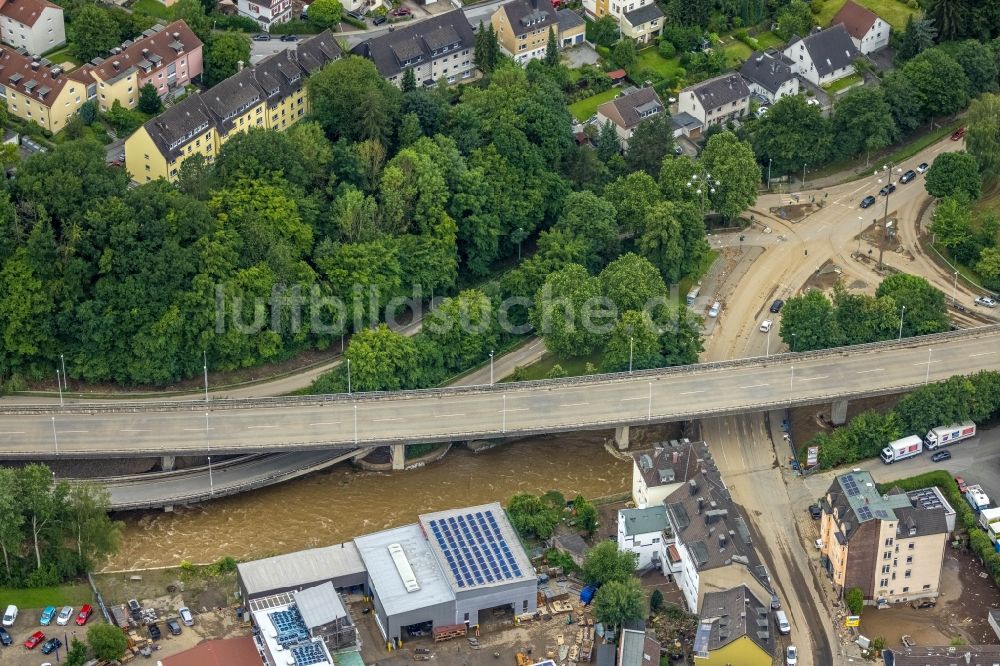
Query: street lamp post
(491, 367)
(630, 340)
(62, 359)
(927, 376)
(793, 342)
(769, 174)
(59, 384)
(954, 290)
(55, 436)
(503, 427)
(703, 187)
(767, 352)
(204, 358)
(649, 405)
(861, 230)
(520, 238)
(902, 313)
(804, 165)
(348, 376)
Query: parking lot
(28, 623)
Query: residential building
(628, 110)
(717, 100)
(735, 628)
(890, 546)
(523, 27)
(659, 471)
(642, 20)
(269, 95)
(712, 549)
(961, 655)
(868, 32)
(823, 57)
(38, 91)
(643, 532)
(166, 57)
(34, 25)
(637, 649)
(265, 12)
(769, 75)
(442, 47)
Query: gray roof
(572, 543)
(830, 49)
(731, 614)
(643, 521)
(300, 568)
(766, 70)
(856, 500)
(319, 605)
(535, 14)
(638, 649)
(644, 14)
(684, 119)
(963, 655)
(385, 578)
(569, 19)
(658, 466)
(232, 97)
(390, 51)
(606, 655)
(719, 91)
(627, 110)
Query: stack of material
(448, 632)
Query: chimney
(34, 65)
(145, 51)
(701, 504)
(239, 66)
(177, 35)
(722, 540)
(675, 457)
(116, 64)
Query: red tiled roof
(17, 73)
(673, 554)
(617, 74)
(856, 19)
(158, 44)
(227, 652)
(25, 11)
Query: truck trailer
(988, 517)
(902, 449)
(977, 499)
(948, 435)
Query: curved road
(343, 421)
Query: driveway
(261, 50)
(578, 56)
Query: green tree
(925, 305)
(487, 54)
(795, 19)
(661, 241)
(951, 222)
(631, 282)
(863, 318)
(988, 267)
(652, 141)
(855, 600)
(94, 32)
(262, 154)
(149, 100)
(954, 174)
(791, 134)
(655, 601)
(623, 54)
(918, 36)
(11, 516)
(569, 314)
(551, 50)
(632, 196)
(732, 163)
(979, 64)
(923, 75)
(862, 438)
(341, 88)
(464, 329)
(680, 335)
(41, 502)
(107, 642)
(193, 13)
(862, 122)
(409, 130)
(982, 140)
(586, 514)
(325, 13)
(604, 564)
(76, 654)
(223, 54)
(634, 340)
(608, 143)
(87, 518)
(409, 83)
(591, 219)
(809, 322)
(950, 17)
(530, 516)
(604, 31)
(124, 121)
(381, 360)
(619, 602)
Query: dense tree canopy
(954, 174)
(791, 134)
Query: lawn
(75, 594)
(650, 59)
(736, 52)
(892, 11)
(769, 40)
(574, 367)
(63, 54)
(587, 107)
(844, 83)
(153, 8)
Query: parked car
(958, 134)
(887, 189)
(791, 656)
(34, 639)
(924, 603)
(64, 616)
(678, 151)
(5, 638)
(47, 615)
(379, 20)
(962, 488)
(289, 38)
(908, 176)
(815, 512)
(84, 615)
(923, 167)
(867, 201)
(762, 110)
(401, 11)
(777, 305)
(174, 627)
(986, 301)
(357, 16)
(714, 310)
(262, 37)
(812, 101)
(51, 645)
(775, 602)
(9, 616)
(186, 617)
(941, 455)
(154, 632)
(765, 325)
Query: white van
(783, 627)
(10, 615)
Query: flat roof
(301, 568)
(644, 521)
(386, 579)
(285, 633)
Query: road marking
(514, 409)
(575, 404)
(863, 372)
(198, 429)
(980, 354)
(640, 398)
(69, 432)
(135, 431)
(753, 386)
(691, 392)
(325, 423)
(263, 426)
(393, 419)
(926, 362)
(809, 379)
(447, 416)
(11, 433)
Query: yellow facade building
(36, 90)
(523, 26)
(735, 628)
(270, 95)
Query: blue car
(47, 615)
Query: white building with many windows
(34, 25)
(265, 12)
(641, 531)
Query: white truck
(987, 517)
(948, 435)
(977, 499)
(902, 449)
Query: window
(907, 574)
(927, 587)
(888, 542)
(884, 582)
(911, 545)
(887, 555)
(905, 590)
(885, 569)
(909, 559)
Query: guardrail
(298, 401)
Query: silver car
(186, 617)
(65, 615)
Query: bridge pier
(167, 463)
(398, 457)
(621, 437)
(838, 412)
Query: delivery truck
(948, 435)
(902, 449)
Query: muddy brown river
(343, 502)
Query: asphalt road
(97, 430)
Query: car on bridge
(867, 201)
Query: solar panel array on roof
(881, 513)
(850, 486)
(289, 625)
(306, 655)
(864, 513)
(475, 548)
(925, 498)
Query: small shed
(617, 76)
(572, 544)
